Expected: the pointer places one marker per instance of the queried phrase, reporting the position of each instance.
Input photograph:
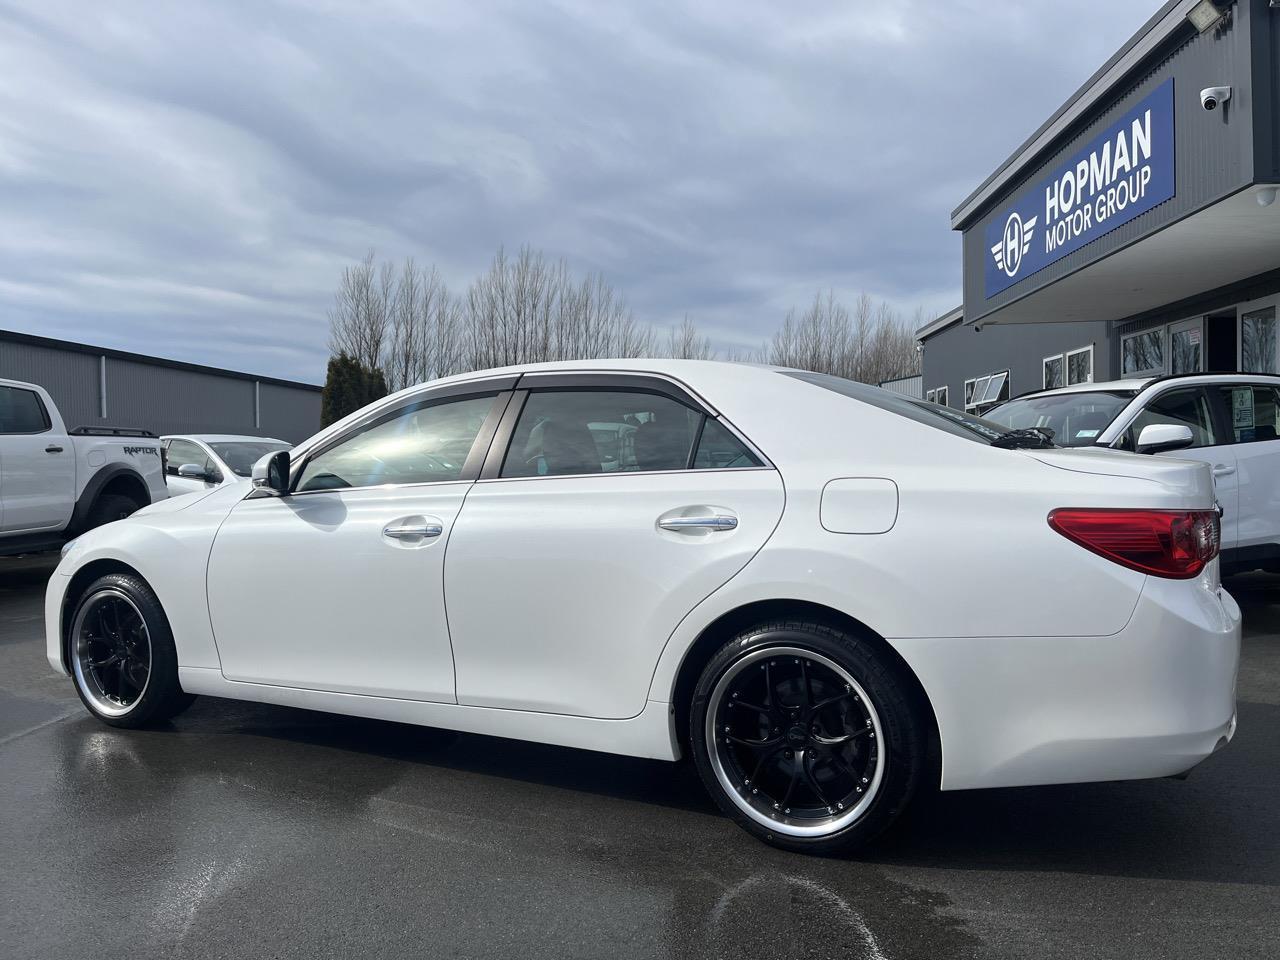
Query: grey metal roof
(75, 347)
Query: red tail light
(1163, 543)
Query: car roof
(1138, 384)
(221, 438)
(1106, 386)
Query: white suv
(1229, 421)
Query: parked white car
(196, 462)
(808, 585)
(1229, 421)
(55, 482)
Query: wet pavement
(254, 831)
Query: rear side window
(1254, 412)
(719, 449)
(21, 411)
(1187, 408)
(421, 445)
(569, 432)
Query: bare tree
(871, 343)
(360, 317)
(685, 343)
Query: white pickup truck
(56, 483)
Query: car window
(424, 444)
(1076, 419)
(952, 421)
(1254, 411)
(21, 411)
(564, 432)
(182, 452)
(718, 449)
(241, 455)
(1188, 408)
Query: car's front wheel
(122, 655)
(807, 736)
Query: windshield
(922, 411)
(1076, 419)
(241, 455)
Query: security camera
(1210, 97)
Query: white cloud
(190, 179)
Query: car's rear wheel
(807, 736)
(122, 656)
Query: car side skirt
(650, 734)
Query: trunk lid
(1190, 479)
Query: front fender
(170, 551)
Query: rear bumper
(1153, 700)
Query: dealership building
(96, 386)
(1137, 232)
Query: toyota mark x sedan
(828, 596)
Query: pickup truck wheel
(122, 656)
(108, 507)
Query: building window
(1053, 372)
(1258, 341)
(1080, 365)
(940, 397)
(1142, 354)
(987, 392)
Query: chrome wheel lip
(102, 703)
(777, 822)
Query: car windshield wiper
(1029, 437)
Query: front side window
(1255, 412)
(184, 452)
(1076, 419)
(1258, 341)
(1188, 408)
(21, 411)
(241, 455)
(569, 432)
(425, 444)
(1142, 353)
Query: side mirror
(1161, 437)
(194, 471)
(271, 474)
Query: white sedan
(828, 595)
(196, 462)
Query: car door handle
(1222, 470)
(412, 531)
(717, 521)
(53, 448)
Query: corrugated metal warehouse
(95, 386)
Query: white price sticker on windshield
(1242, 407)
(1086, 434)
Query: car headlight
(66, 548)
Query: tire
(109, 507)
(123, 661)
(831, 730)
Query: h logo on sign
(1015, 243)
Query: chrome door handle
(409, 531)
(1222, 470)
(716, 522)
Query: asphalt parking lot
(245, 830)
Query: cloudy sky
(189, 179)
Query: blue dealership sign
(1126, 170)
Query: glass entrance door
(1186, 346)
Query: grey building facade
(1137, 232)
(95, 386)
